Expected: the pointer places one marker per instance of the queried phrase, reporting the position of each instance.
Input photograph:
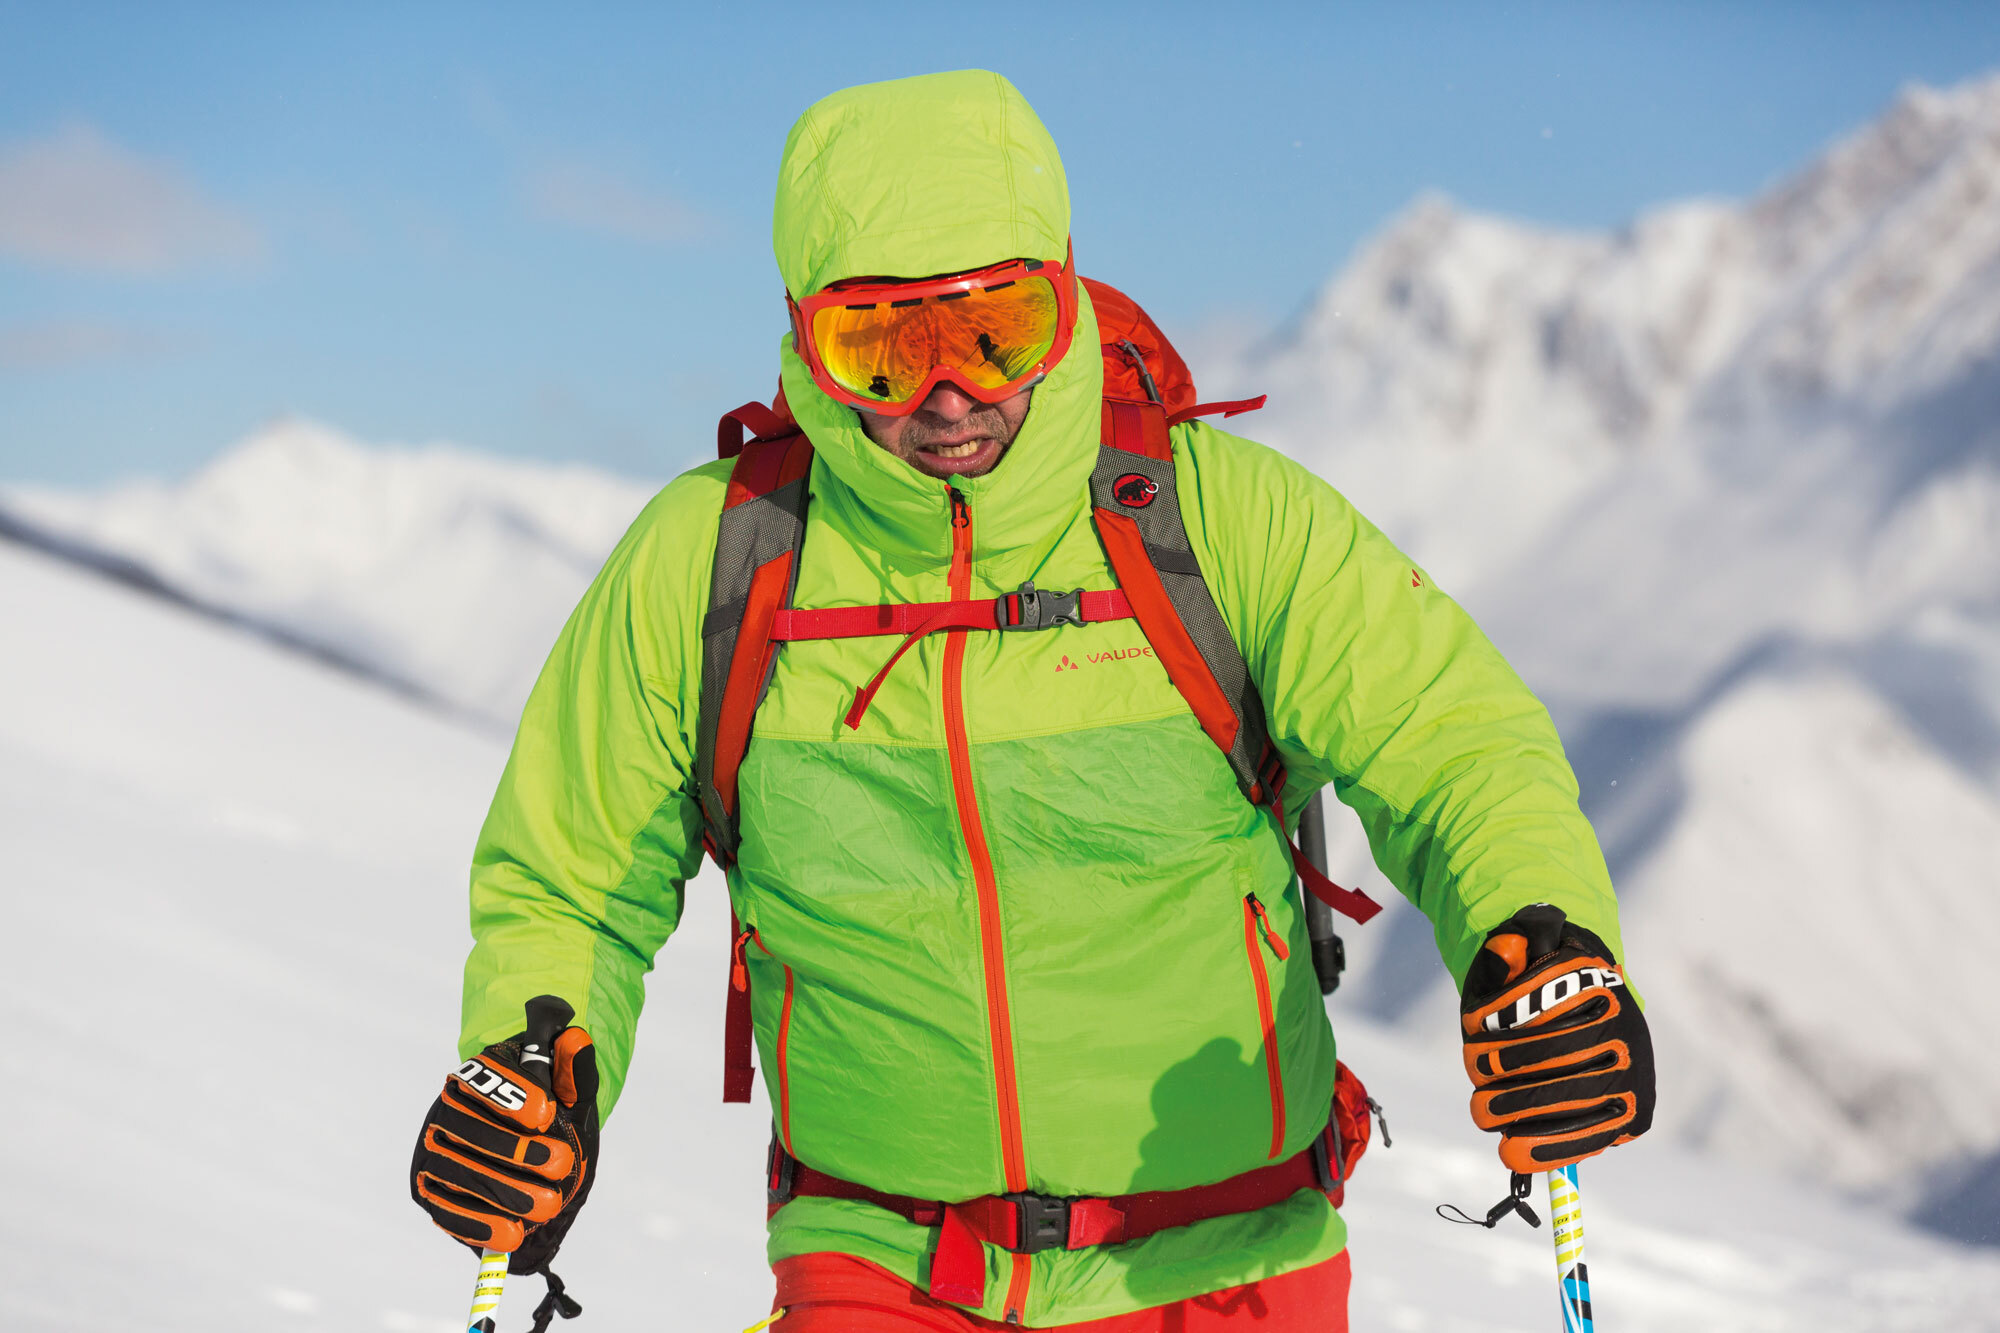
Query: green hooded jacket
(1002, 935)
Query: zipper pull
(1264, 920)
(961, 513)
(1383, 1121)
(739, 968)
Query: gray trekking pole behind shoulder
(1329, 953)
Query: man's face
(952, 434)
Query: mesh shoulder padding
(1134, 486)
(763, 520)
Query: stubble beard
(922, 431)
(984, 436)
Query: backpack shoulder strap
(1137, 509)
(756, 565)
(757, 548)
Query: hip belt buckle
(1041, 1222)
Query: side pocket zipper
(1256, 923)
(739, 977)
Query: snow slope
(235, 914)
(234, 918)
(445, 570)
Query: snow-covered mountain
(444, 570)
(1466, 378)
(1725, 485)
(236, 898)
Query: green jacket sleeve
(1379, 684)
(577, 877)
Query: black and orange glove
(507, 1154)
(1560, 1059)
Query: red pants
(837, 1293)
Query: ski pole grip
(548, 1015)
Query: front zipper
(992, 948)
(1256, 923)
(739, 977)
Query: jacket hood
(936, 174)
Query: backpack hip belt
(1028, 1223)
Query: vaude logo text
(1110, 655)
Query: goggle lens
(884, 351)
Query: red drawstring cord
(866, 694)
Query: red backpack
(1136, 509)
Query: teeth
(965, 450)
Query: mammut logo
(1550, 994)
(1134, 490)
(492, 1085)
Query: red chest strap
(1029, 608)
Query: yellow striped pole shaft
(486, 1291)
(1566, 1225)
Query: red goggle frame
(938, 321)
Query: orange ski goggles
(883, 345)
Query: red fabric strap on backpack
(858, 622)
(762, 470)
(774, 463)
(747, 672)
(762, 511)
(738, 1074)
(1232, 717)
(1177, 652)
(1234, 408)
(1353, 904)
(762, 422)
(1020, 610)
(1139, 428)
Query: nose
(950, 403)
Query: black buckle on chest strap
(1041, 1222)
(1037, 608)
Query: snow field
(235, 916)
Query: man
(1019, 948)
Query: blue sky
(545, 232)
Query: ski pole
(548, 1015)
(1566, 1225)
(486, 1291)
